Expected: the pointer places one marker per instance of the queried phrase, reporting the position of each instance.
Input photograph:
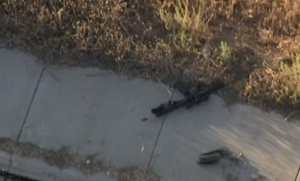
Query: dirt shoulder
(252, 46)
(64, 158)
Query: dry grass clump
(251, 45)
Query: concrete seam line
(158, 135)
(30, 104)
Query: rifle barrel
(190, 99)
(172, 107)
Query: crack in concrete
(31, 101)
(63, 159)
(160, 129)
(26, 115)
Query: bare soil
(64, 158)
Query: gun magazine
(209, 158)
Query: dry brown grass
(252, 45)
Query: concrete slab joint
(92, 107)
(19, 76)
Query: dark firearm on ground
(216, 155)
(192, 97)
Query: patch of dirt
(63, 158)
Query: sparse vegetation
(254, 45)
(225, 51)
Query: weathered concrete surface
(270, 145)
(97, 113)
(4, 160)
(19, 75)
(94, 112)
(39, 170)
(297, 177)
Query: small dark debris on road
(144, 119)
(216, 155)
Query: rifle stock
(170, 107)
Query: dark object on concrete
(144, 119)
(192, 97)
(218, 154)
(208, 159)
(212, 156)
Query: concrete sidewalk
(98, 115)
